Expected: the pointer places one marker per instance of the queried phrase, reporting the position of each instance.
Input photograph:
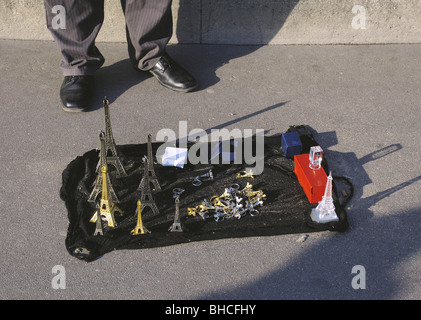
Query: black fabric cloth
(286, 208)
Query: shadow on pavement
(112, 81)
(324, 268)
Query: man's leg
(80, 57)
(76, 42)
(149, 27)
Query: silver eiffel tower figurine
(146, 197)
(176, 226)
(149, 167)
(99, 230)
(97, 189)
(110, 146)
(325, 210)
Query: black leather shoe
(76, 93)
(173, 76)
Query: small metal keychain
(177, 192)
(197, 181)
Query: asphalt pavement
(363, 102)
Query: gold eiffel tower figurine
(139, 229)
(107, 208)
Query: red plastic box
(312, 181)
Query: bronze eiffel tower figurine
(145, 192)
(176, 226)
(98, 181)
(110, 146)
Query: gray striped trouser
(149, 27)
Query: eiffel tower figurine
(176, 226)
(149, 168)
(98, 181)
(139, 229)
(145, 192)
(110, 146)
(98, 227)
(325, 210)
(107, 208)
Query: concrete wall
(248, 21)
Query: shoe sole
(177, 89)
(167, 86)
(73, 110)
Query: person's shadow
(114, 80)
(324, 269)
(207, 24)
(224, 23)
